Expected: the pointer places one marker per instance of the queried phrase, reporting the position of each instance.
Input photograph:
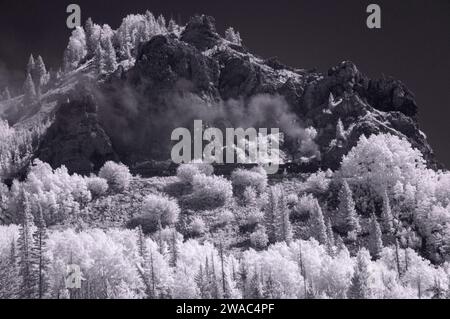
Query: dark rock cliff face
(76, 139)
(165, 63)
(202, 64)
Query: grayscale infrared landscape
(92, 206)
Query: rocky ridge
(202, 64)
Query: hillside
(359, 209)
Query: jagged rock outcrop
(201, 33)
(391, 95)
(76, 139)
(202, 64)
(166, 64)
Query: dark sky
(413, 44)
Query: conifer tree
(109, 57)
(152, 277)
(172, 27)
(150, 17)
(9, 275)
(161, 23)
(255, 287)
(40, 258)
(213, 284)
(98, 59)
(92, 39)
(340, 131)
(25, 260)
(225, 286)
(146, 268)
(269, 288)
(376, 241)
(277, 221)
(161, 243)
(284, 227)
(208, 278)
(340, 245)
(174, 249)
(397, 257)
(388, 224)
(359, 288)
(202, 283)
(347, 209)
(31, 65)
(302, 268)
(407, 251)
(40, 73)
(141, 267)
(29, 90)
(88, 28)
(330, 238)
(13, 270)
(271, 213)
(232, 36)
(318, 228)
(243, 278)
(142, 249)
(76, 50)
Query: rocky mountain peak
(201, 32)
(174, 72)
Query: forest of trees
(109, 47)
(17, 146)
(358, 232)
(126, 264)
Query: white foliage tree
(277, 221)
(347, 211)
(360, 288)
(109, 57)
(76, 50)
(29, 90)
(318, 227)
(117, 175)
(380, 161)
(376, 241)
(233, 36)
(173, 27)
(31, 65)
(340, 131)
(40, 73)
(93, 34)
(388, 220)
